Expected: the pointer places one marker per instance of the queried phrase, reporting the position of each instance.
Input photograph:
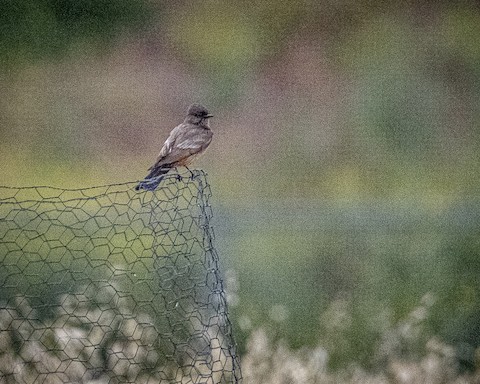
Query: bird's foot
(178, 176)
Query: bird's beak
(208, 116)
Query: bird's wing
(184, 141)
(168, 145)
(195, 141)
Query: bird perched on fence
(186, 141)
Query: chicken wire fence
(110, 285)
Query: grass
(404, 354)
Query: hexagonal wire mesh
(109, 285)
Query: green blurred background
(345, 164)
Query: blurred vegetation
(33, 30)
(371, 259)
(345, 165)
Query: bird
(185, 142)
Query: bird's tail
(151, 181)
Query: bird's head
(198, 114)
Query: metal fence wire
(111, 285)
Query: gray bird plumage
(185, 142)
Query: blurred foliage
(456, 316)
(369, 264)
(31, 30)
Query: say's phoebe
(186, 141)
